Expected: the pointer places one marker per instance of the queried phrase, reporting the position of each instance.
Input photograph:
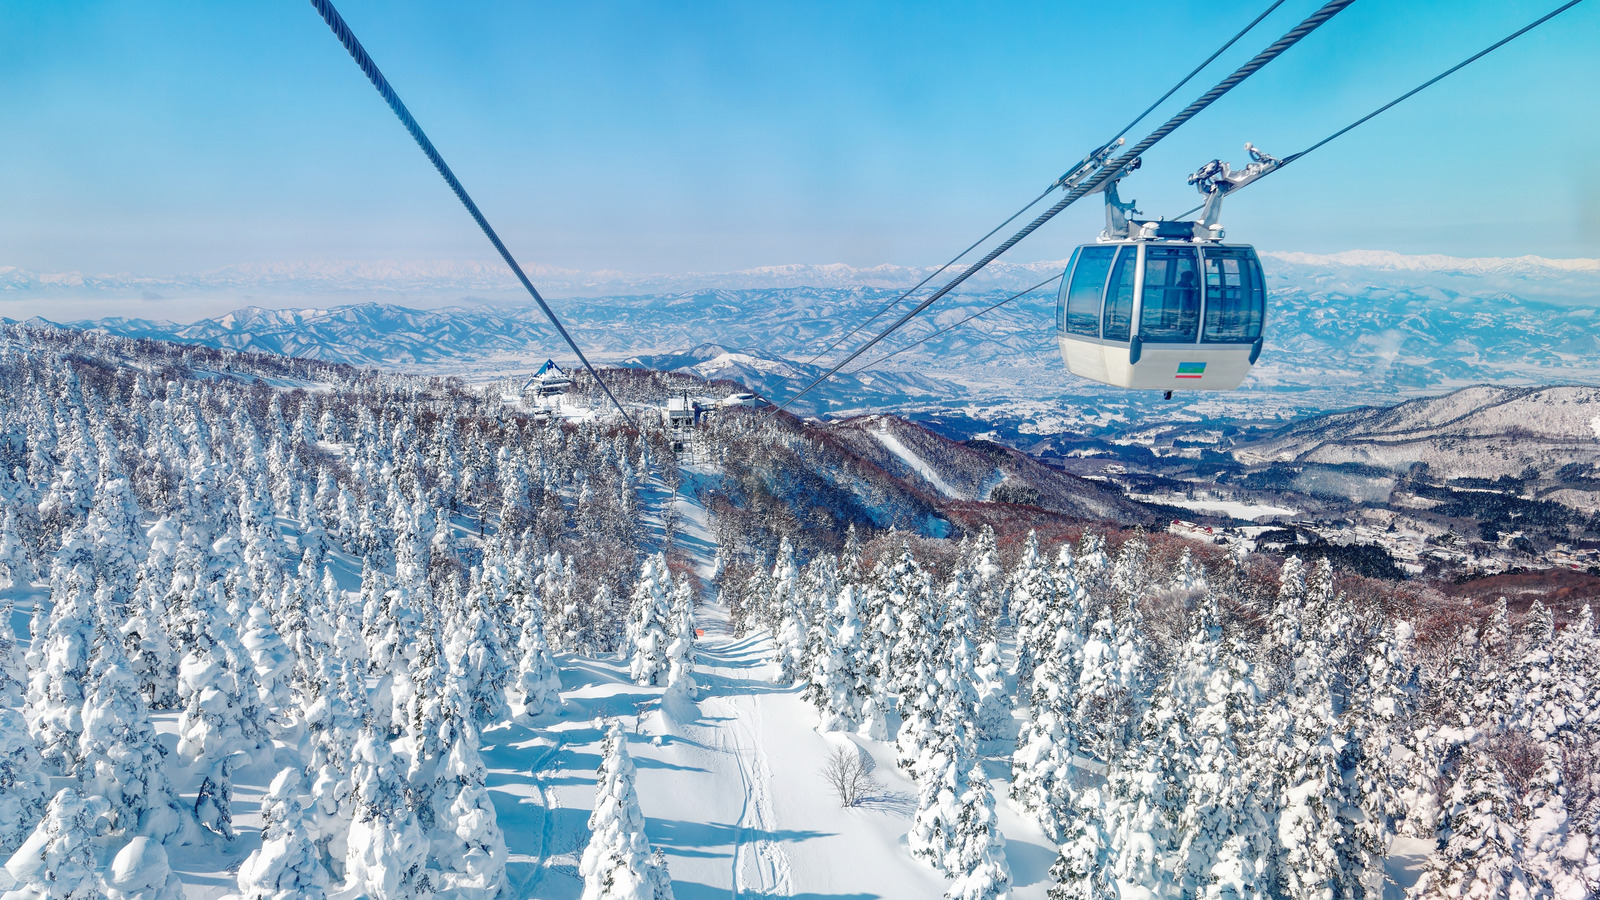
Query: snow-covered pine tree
(839, 681)
(1082, 870)
(986, 582)
(1042, 770)
(1303, 771)
(273, 664)
(536, 689)
(288, 864)
(1480, 852)
(478, 652)
(618, 864)
(680, 652)
(57, 861)
(118, 755)
(58, 666)
(468, 844)
(149, 646)
(649, 623)
(1032, 593)
(220, 720)
(1377, 727)
(1550, 842)
(13, 662)
(993, 715)
(1222, 829)
(1109, 698)
(24, 789)
(794, 600)
(954, 827)
(386, 853)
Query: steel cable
(359, 54)
(923, 340)
(1414, 91)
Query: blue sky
(159, 137)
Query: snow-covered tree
(680, 652)
(1032, 596)
(1480, 851)
(13, 662)
(649, 624)
(992, 718)
(57, 861)
(618, 863)
(24, 789)
(59, 665)
(386, 854)
(839, 681)
(118, 755)
(536, 689)
(469, 846)
(288, 863)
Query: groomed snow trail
(908, 456)
(729, 785)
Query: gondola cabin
(1166, 305)
(1161, 313)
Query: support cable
(931, 276)
(1416, 90)
(1112, 171)
(359, 54)
(923, 340)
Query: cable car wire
(1110, 172)
(1416, 90)
(342, 31)
(935, 274)
(1058, 183)
(923, 340)
(1197, 70)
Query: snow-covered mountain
(1478, 432)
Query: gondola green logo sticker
(1191, 370)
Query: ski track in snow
(910, 458)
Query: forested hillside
(292, 629)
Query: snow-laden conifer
(1480, 852)
(992, 718)
(649, 624)
(118, 755)
(386, 853)
(476, 649)
(59, 666)
(536, 689)
(57, 861)
(24, 789)
(468, 845)
(840, 683)
(680, 652)
(288, 863)
(1032, 593)
(13, 661)
(618, 863)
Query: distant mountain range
(1358, 328)
(452, 282)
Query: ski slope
(729, 786)
(906, 455)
